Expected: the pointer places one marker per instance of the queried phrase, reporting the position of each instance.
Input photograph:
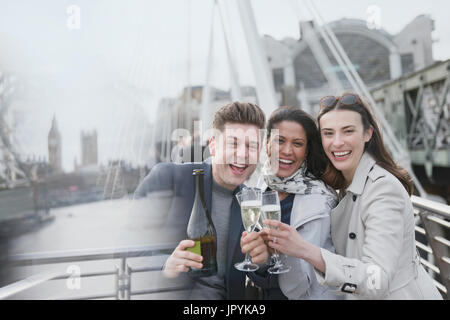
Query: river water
(105, 224)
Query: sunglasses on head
(347, 99)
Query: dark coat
(178, 179)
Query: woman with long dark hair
(294, 168)
(373, 225)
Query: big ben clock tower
(54, 148)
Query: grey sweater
(213, 287)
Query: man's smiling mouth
(238, 168)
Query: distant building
(54, 148)
(176, 117)
(89, 150)
(377, 56)
(183, 111)
(414, 44)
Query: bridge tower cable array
(12, 173)
(395, 148)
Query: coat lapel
(360, 177)
(340, 218)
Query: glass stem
(276, 257)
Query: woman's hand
(253, 243)
(266, 240)
(285, 240)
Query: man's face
(235, 154)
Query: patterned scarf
(300, 182)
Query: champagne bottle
(201, 230)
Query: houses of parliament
(89, 149)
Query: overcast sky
(138, 51)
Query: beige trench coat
(372, 229)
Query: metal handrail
(435, 218)
(429, 211)
(439, 221)
(28, 259)
(442, 240)
(423, 247)
(431, 206)
(27, 283)
(420, 230)
(123, 273)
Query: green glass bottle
(201, 230)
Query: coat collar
(359, 179)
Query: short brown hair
(239, 112)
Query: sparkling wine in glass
(250, 201)
(271, 210)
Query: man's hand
(180, 260)
(253, 243)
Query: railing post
(434, 230)
(117, 283)
(129, 271)
(123, 280)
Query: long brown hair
(375, 146)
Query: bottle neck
(199, 189)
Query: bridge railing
(432, 234)
(123, 272)
(433, 228)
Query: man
(234, 149)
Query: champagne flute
(250, 201)
(271, 210)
